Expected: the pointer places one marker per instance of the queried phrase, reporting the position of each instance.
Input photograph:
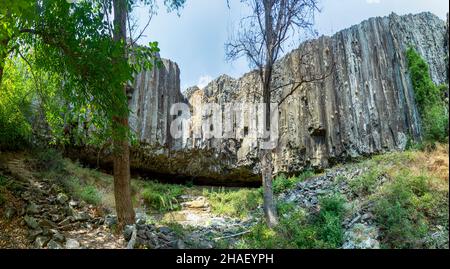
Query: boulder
(41, 242)
(31, 222)
(62, 198)
(72, 244)
(52, 244)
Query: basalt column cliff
(365, 106)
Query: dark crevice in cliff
(239, 177)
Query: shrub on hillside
(48, 159)
(297, 229)
(90, 195)
(435, 123)
(406, 209)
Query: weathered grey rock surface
(154, 92)
(365, 106)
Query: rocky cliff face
(365, 106)
(152, 95)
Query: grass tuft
(161, 197)
(234, 203)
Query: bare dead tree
(261, 38)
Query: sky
(195, 37)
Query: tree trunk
(269, 206)
(270, 211)
(122, 184)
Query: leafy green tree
(15, 106)
(90, 53)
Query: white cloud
(373, 2)
(203, 81)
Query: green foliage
(161, 197)
(405, 209)
(281, 183)
(429, 99)
(8, 185)
(329, 221)
(15, 106)
(48, 159)
(299, 230)
(79, 189)
(234, 203)
(177, 228)
(50, 164)
(426, 93)
(73, 42)
(367, 182)
(2, 199)
(90, 195)
(435, 123)
(3, 184)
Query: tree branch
(297, 85)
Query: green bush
(15, 131)
(429, 98)
(48, 159)
(435, 123)
(330, 219)
(15, 106)
(366, 183)
(90, 195)
(162, 197)
(406, 208)
(299, 230)
(3, 181)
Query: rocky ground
(39, 214)
(360, 227)
(360, 230)
(49, 218)
(198, 228)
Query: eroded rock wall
(152, 95)
(365, 106)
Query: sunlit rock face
(152, 95)
(365, 106)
